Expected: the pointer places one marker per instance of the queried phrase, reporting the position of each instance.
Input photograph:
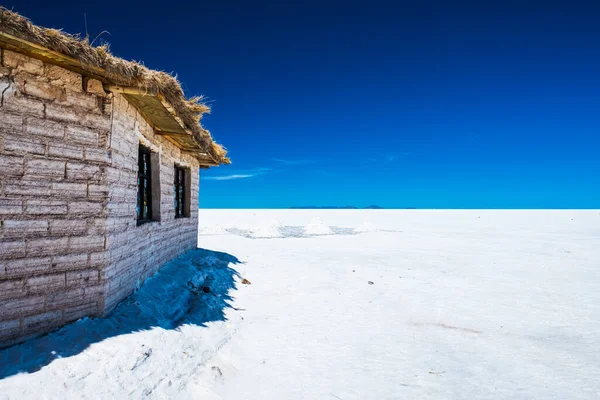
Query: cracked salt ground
(501, 306)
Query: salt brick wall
(137, 252)
(69, 242)
(53, 158)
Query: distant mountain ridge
(372, 207)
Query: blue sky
(401, 104)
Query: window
(180, 192)
(144, 199)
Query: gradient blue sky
(401, 104)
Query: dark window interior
(179, 192)
(144, 199)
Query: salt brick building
(99, 176)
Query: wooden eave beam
(172, 134)
(13, 43)
(207, 164)
(129, 90)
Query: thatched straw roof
(99, 63)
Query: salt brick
(119, 224)
(99, 259)
(21, 78)
(110, 302)
(69, 261)
(43, 127)
(96, 121)
(117, 253)
(98, 155)
(121, 177)
(120, 209)
(64, 77)
(68, 226)
(60, 113)
(121, 126)
(47, 246)
(12, 288)
(107, 274)
(131, 194)
(19, 307)
(85, 208)
(26, 266)
(128, 281)
(120, 103)
(45, 321)
(80, 134)
(80, 311)
(118, 192)
(82, 171)
(45, 283)
(45, 167)
(43, 90)
(22, 62)
(12, 123)
(9, 329)
(10, 207)
(94, 292)
(11, 165)
(69, 189)
(65, 151)
(130, 262)
(82, 101)
(86, 243)
(94, 86)
(122, 146)
(24, 228)
(132, 113)
(24, 145)
(64, 298)
(125, 162)
(37, 207)
(15, 102)
(27, 187)
(119, 294)
(112, 174)
(82, 278)
(130, 146)
(100, 191)
(12, 249)
(98, 227)
(114, 241)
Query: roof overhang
(161, 116)
(152, 106)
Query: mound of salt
(266, 229)
(317, 227)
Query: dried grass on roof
(118, 72)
